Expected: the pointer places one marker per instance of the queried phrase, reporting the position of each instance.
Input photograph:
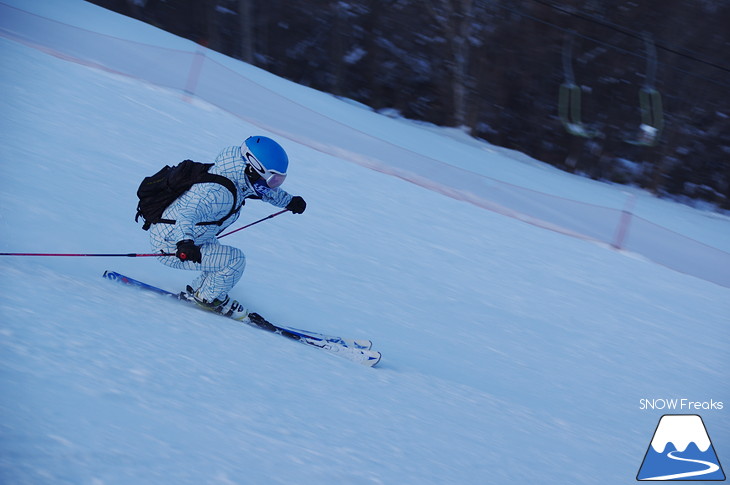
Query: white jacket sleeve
(277, 197)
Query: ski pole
(137, 255)
(128, 255)
(253, 223)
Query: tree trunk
(456, 21)
(246, 25)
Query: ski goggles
(273, 178)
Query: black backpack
(158, 191)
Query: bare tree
(246, 25)
(456, 19)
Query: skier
(257, 168)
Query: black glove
(297, 205)
(188, 251)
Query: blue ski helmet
(267, 158)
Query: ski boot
(226, 307)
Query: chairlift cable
(621, 49)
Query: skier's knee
(238, 260)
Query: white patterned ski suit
(221, 266)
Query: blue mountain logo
(681, 450)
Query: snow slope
(511, 354)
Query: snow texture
(512, 354)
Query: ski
(352, 349)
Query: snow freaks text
(679, 404)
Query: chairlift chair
(650, 102)
(569, 99)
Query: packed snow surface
(511, 354)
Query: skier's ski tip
(373, 358)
